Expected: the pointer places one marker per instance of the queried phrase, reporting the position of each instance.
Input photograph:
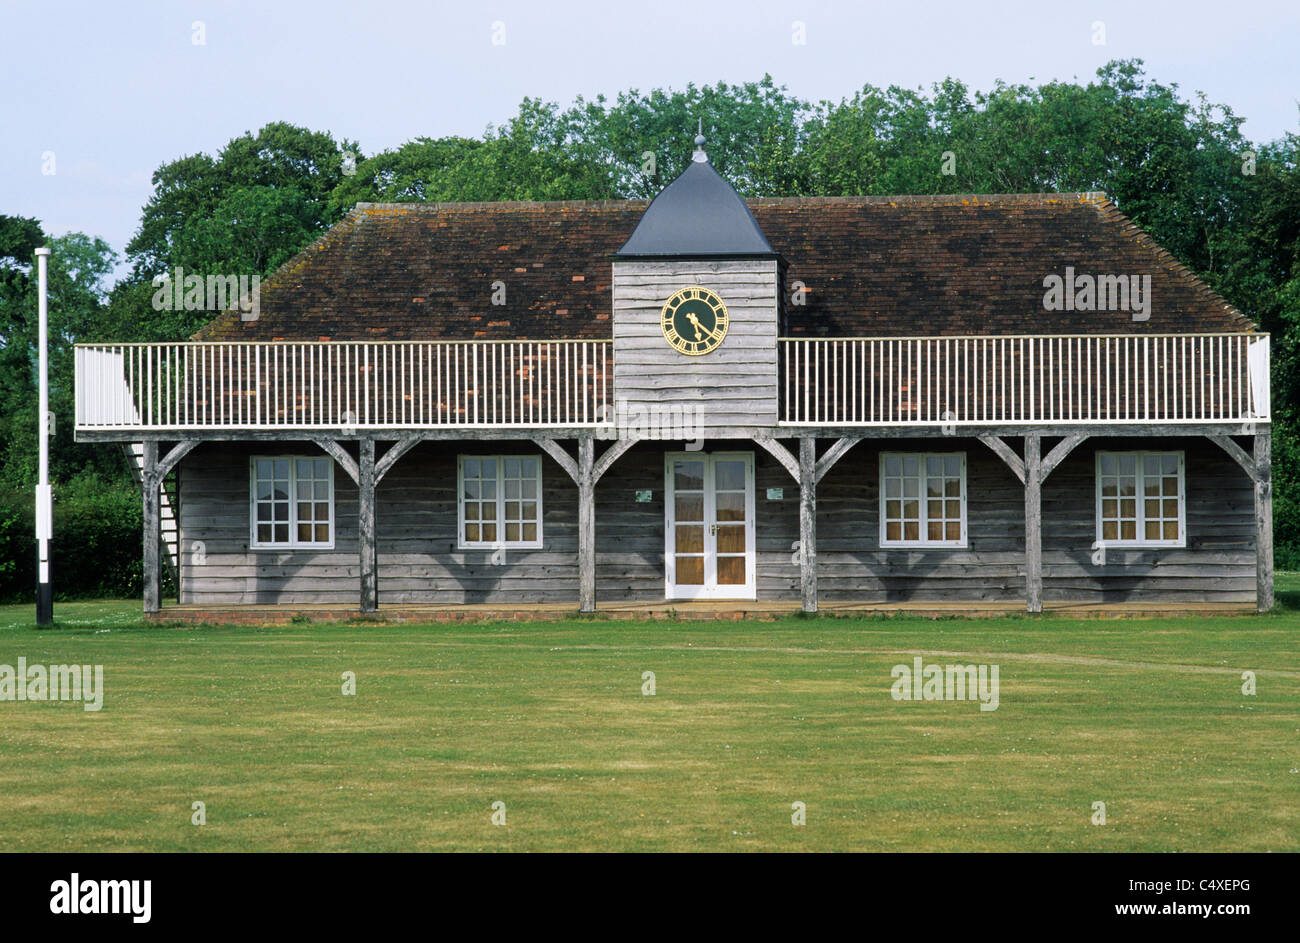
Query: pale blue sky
(115, 89)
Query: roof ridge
(499, 204)
(1082, 196)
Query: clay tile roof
(869, 266)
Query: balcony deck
(874, 385)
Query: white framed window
(291, 502)
(923, 499)
(500, 502)
(1141, 499)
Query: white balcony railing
(918, 381)
(332, 385)
(1067, 379)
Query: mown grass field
(1147, 716)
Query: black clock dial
(694, 321)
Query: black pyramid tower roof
(697, 215)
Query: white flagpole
(44, 502)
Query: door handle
(713, 530)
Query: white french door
(709, 525)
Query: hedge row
(96, 547)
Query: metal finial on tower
(699, 156)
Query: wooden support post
(1263, 522)
(586, 482)
(366, 526)
(1033, 523)
(149, 479)
(808, 522)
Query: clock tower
(697, 304)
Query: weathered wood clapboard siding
(735, 384)
(419, 562)
(1218, 563)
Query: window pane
(690, 571)
(729, 476)
(731, 571)
(688, 476)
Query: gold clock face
(694, 321)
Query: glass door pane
(689, 478)
(730, 480)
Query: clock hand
(690, 316)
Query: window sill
(925, 545)
(500, 546)
(285, 547)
